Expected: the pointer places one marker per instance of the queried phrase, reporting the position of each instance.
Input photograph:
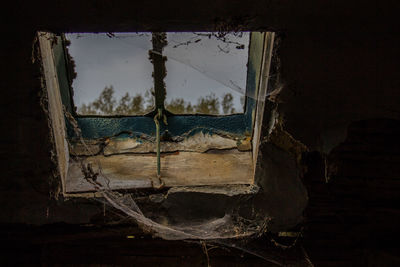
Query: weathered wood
(227, 190)
(262, 91)
(189, 166)
(197, 143)
(55, 107)
(179, 169)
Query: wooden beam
(178, 169)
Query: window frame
(239, 125)
(231, 167)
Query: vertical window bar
(159, 40)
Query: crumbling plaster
(328, 63)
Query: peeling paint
(200, 142)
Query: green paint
(62, 73)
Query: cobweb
(231, 230)
(191, 48)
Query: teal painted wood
(62, 73)
(236, 125)
(98, 127)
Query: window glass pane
(113, 73)
(206, 72)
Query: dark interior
(339, 71)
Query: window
(168, 114)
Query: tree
(124, 105)
(87, 110)
(149, 99)
(136, 105)
(105, 103)
(176, 105)
(227, 104)
(207, 105)
(189, 108)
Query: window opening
(206, 72)
(113, 74)
(237, 124)
(229, 226)
(211, 148)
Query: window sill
(122, 171)
(206, 162)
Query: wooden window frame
(225, 151)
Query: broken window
(113, 74)
(173, 109)
(206, 73)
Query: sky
(194, 68)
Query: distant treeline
(106, 104)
